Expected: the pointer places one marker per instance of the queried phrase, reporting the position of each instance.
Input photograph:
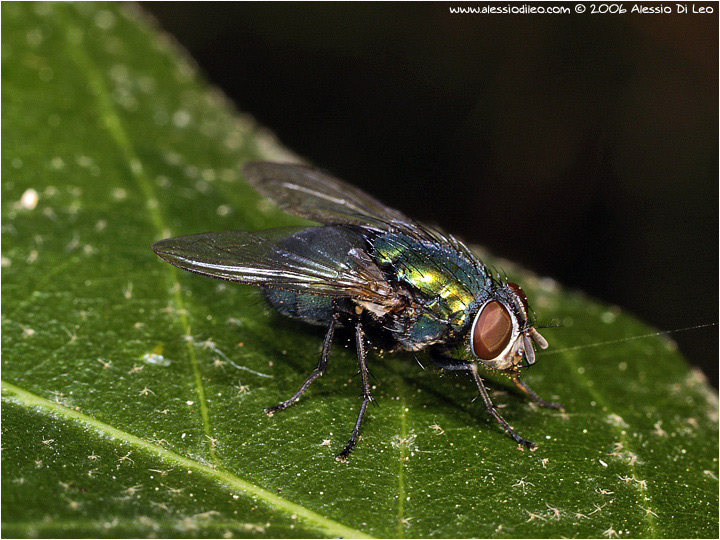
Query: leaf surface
(133, 393)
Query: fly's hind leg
(318, 372)
(493, 412)
(366, 395)
(532, 395)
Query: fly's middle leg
(318, 372)
(532, 395)
(366, 395)
(493, 412)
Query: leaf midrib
(313, 519)
(120, 137)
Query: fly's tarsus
(533, 396)
(493, 412)
(366, 395)
(318, 372)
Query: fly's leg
(366, 395)
(491, 409)
(319, 370)
(532, 395)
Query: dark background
(584, 147)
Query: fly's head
(502, 334)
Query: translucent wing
(312, 194)
(325, 261)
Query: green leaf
(133, 393)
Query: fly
(374, 270)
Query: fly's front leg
(366, 395)
(491, 409)
(319, 370)
(532, 395)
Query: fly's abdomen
(332, 247)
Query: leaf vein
(249, 489)
(120, 137)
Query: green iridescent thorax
(447, 282)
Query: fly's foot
(343, 456)
(527, 444)
(272, 410)
(522, 443)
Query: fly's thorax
(501, 333)
(442, 280)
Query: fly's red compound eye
(492, 331)
(518, 290)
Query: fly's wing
(312, 194)
(277, 258)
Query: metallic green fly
(371, 268)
